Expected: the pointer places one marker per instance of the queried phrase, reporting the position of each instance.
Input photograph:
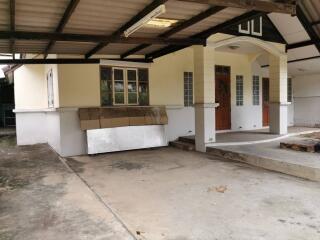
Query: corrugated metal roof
(4, 46)
(39, 15)
(150, 49)
(312, 10)
(72, 47)
(4, 15)
(106, 16)
(212, 21)
(23, 46)
(116, 49)
(103, 17)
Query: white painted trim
(244, 31)
(262, 141)
(34, 110)
(264, 45)
(174, 106)
(252, 28)
(115, 63)
(280, 103)
(207, 105)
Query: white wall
(59, 128)
(306, 93)
(181, 122)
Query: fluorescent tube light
(161, 23)
(155, 13)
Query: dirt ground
(164, 194)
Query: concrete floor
(41, 199)
(269, 155)
(223, 138)
(161, 194)
(171, 194)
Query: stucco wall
(306, 100)
(166, 77)
(30, 87)
(79, 85)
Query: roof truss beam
(188, 23)
(316, 23)
(153, 5)
(61, 61)
(288, 7)
(64, 20)
(21, 35)
(299, 44)
(206, 33)
(308, 27)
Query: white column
(204, 75)
(278, 73)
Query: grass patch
(8, 141)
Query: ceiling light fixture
(152, 15)
(161, 23)
(233, 47)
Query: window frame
(256, 89)
(239, 102)
(253, 32)
(113, 87)
(190, 84)
(125, 86)
(289, 90)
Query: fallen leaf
(221, 189)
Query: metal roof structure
(98, 18)
(87, 28)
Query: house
(94, 70)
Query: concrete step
(187, 140)
(183, 145)
(277, 165)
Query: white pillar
(278, 73)
(204, 75)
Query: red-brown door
(223, 97)
(265, 99)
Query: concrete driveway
(151, 194)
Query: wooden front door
(223, 97)
(265, 99)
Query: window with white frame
(253, 27)
(239, 90)
(188, 89)
(256, 90)
(289, 90)
(256, 27)
(124, 86)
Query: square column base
(278, 118)
(205, 119)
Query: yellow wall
(79, 85)
(166, 77)
(240, 65)
(30, 87)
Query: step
(183, 145)
(277, 165)
(187, 140)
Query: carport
(97, 76)
(133, 42)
